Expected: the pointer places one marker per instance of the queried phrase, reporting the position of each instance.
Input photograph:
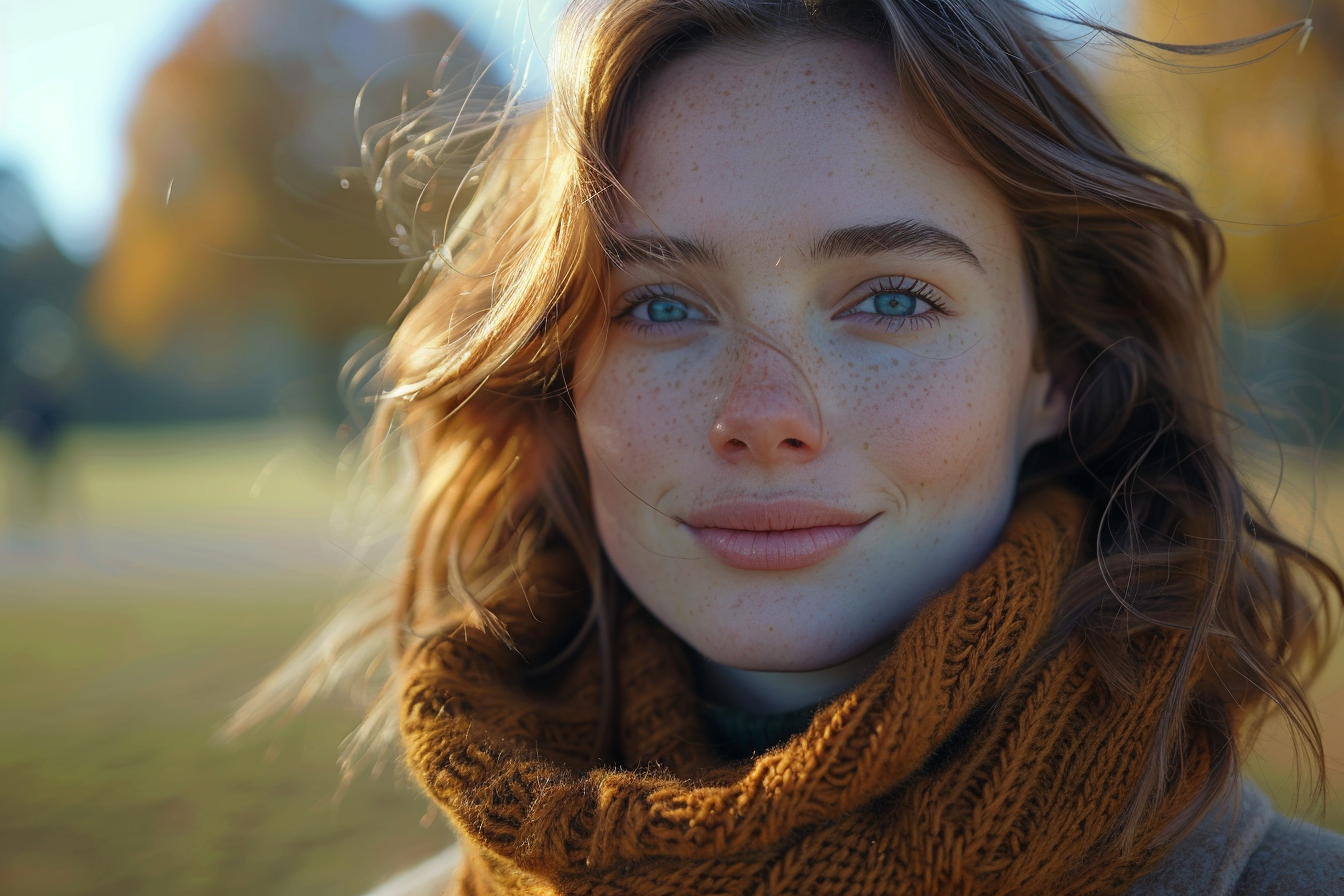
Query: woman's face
(807, 412)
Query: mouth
(775, 535)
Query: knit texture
(864, 801)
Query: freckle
(865, 446)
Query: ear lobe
(1050, 396)
(1055, 411)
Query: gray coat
(1253, 851)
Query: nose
(769, 414)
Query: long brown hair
(1123, 265)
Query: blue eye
(666, 311)
(654, 310)
(898, 303)
(895, 304)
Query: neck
(771, 692)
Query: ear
(1045, 409)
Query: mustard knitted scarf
(863, 801)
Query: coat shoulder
(1294, 858)
(432, 877)
(1248, 849)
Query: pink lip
(774, 534)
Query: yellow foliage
(246, 201)
(1261, 143)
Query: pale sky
(70, 72)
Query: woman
(817, 408)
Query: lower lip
(781, 549)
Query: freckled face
(812, 421)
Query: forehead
(792, 139)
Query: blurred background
(188, 257)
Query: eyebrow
(661, 251)
(907, 236)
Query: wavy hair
(1123, 266)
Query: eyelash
(907, 286)
(647, 294)
(921, 290)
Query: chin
(768, 637)
(783, 655)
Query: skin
(773, 373)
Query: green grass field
(111, 783)
(131, 621)
(162, 585)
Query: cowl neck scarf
(876, 796)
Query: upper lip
(757, 515)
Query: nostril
(736, 443)
(794, 443)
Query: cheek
(638, 423)
(943, 428)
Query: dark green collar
(739, 734)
